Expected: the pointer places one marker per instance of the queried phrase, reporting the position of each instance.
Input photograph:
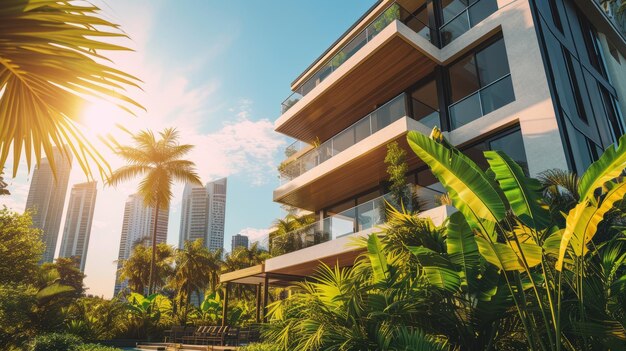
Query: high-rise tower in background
(137, 230)
(78, 221)
(203, 214)
(46, 198)
(239, 241)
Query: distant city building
(46, 198)
(203, 214)
(137, 230)
(239, 241)
(78, 221)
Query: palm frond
(49, 66)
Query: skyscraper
(137, 230)
(239, 241)
(203, 213)
(78, 222)
(46, 198)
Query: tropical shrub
(55, 342)
(260, 347)
(96, 347)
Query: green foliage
(260, 347)
(55, 342)
(136, 269)
(17, 301)
(286, 237)
(502, 273)
(39, 108)
(3, 185)
(20, 248)
(397, 169)
(96, 347)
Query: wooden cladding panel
(374, 81)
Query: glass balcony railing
(466, 19)
(392, 13)
(366, 126)
(295, 147)
(483, 101)
(356, 219)
(362, 217)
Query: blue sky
(218, 71)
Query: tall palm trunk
(151, 280)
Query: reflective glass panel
(481, 10)
(492, 63)
(463, 78)
(497, 95)
(465, 111)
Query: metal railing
(361, 217)
(366, 126)
(392, 13)
(473, 106)
(295, 147)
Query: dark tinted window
(463, 78)
(492, 63)
(510, 142)
(481, 10)
(512, 145)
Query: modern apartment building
(543, 81)
(137, 229)
(46, 199)
(239, 241)
(78, 221)
(203, 214)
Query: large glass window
(425, 104)
(479, 83)
(460, 15)
(510, 142)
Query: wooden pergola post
(225, 307)
(265, 297)
(258, 303)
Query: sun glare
(99, 118)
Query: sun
(99, 118)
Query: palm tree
(160, 162)
(136, 268)
(285, 238)
(3, 186)
(50, 66)
(196, 271)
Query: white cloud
(257, 235)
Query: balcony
(392, 13)
(356, 169)
(374, 74)
(363, 128)
(329, 240)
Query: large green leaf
(523, 193)
(462, 249)
(582, 221)
(609, 166)
(377, 258)
(469, 188)
(508, 257)
(53, 290)
(438, 270)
